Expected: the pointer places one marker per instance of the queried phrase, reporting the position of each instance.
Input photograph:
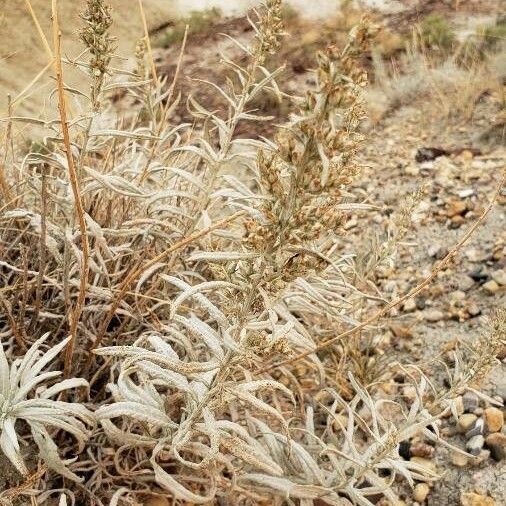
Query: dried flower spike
(95, 35)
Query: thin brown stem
(42, 248)
(74, 182)
(4, 187)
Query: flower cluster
(305, 177)
(269, 30)
(95, 36)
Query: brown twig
(42, 248)
(30, 481)
(417, 289)
(16, 332)
(40, 32)
(76, 313)
(4, 187)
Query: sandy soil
(22, 55)
(393, 174)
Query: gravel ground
(392, 174)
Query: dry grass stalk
(85, 247)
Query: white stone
(468, 192)
(499, 277)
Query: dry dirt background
(22, 55)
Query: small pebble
(499, 277)
(455, 208)
(457, 296)
(468, 192)
(471, 402)
(491, 287)
(434, 250)
(459, 460)
(472, 499)
(464, 282)
(421, 492)
(476, 429)
(501, 390)
(475, 255)
(457, 221)
(428, 464)
(473, 309)
(494, 419)
(483, 456)
(496, 443)
(351, 224)
(465, 422)
(409, 306)
(448, 432)
(475, 444)
(427, 165)
(422, 450)
(433, 315)
(156, 501)
(411, 170)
